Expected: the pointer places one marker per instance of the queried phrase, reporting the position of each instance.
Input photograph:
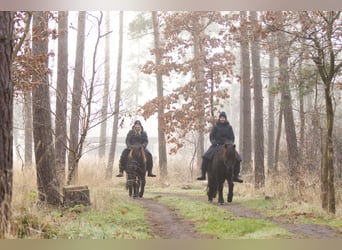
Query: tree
(286, 99)
(259, 172)
(185, 33)
(76, 102)
(160, 95)
(61, 96)
(22, 74)
(246, 123)
(271, 110)
(104, 110)
(109, 170)
(48, 186)
(86, 118)
(319, 32)
(322, 31)
(6, 121)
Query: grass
(221, 224)
(301, 212)
(113, 215)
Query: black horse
(220, 170)
(136, 171)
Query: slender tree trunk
(259, 167)
(28, 128)
(76, 102)
(109, 170)
(48, 187)
(6, 121)
(160, 94)
(61, 96)
(246, 166)
(271, 125)
(291, 138)
(327, 70)
(277, 143)
(199, 90)
(104, 110)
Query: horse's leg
(230, 190)
(220, 193)
(129, 187)
(211, 189)
(142, 185)
(136, 187)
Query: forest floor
(167, 224)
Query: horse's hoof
(230, 198)
(221, 203)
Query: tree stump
(76, 195)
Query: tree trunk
(277, 143)
(28, 127)
(301, 89)
(328, 69)
(271, 123)
(104, 110)
(61, 96)
(48, 187)
(160, 94)
(246, 151)
(199, 88)
(109, 170)
(6, 121)
(291, 138)
(259, 167)
(76, 102)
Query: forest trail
(167, 224)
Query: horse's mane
(137, 153)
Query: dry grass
(102, 191)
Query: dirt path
(166, 223)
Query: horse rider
(220, 133)
(136, 135)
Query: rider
(221, 132)
(136, 135)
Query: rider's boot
(203, 170)
(120, 172)
(237, 177)
(149, 173)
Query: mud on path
(167, 224)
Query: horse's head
(137, 152)
(229, 154)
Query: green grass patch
(123, 219)
(215, 221)
(292, 211)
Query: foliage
(25, 64)
(194, 48)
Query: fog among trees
(76, 82)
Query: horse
(221, 169)
(136, 171)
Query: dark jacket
(220, 133)
(133, 138)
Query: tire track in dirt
(300, 230)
